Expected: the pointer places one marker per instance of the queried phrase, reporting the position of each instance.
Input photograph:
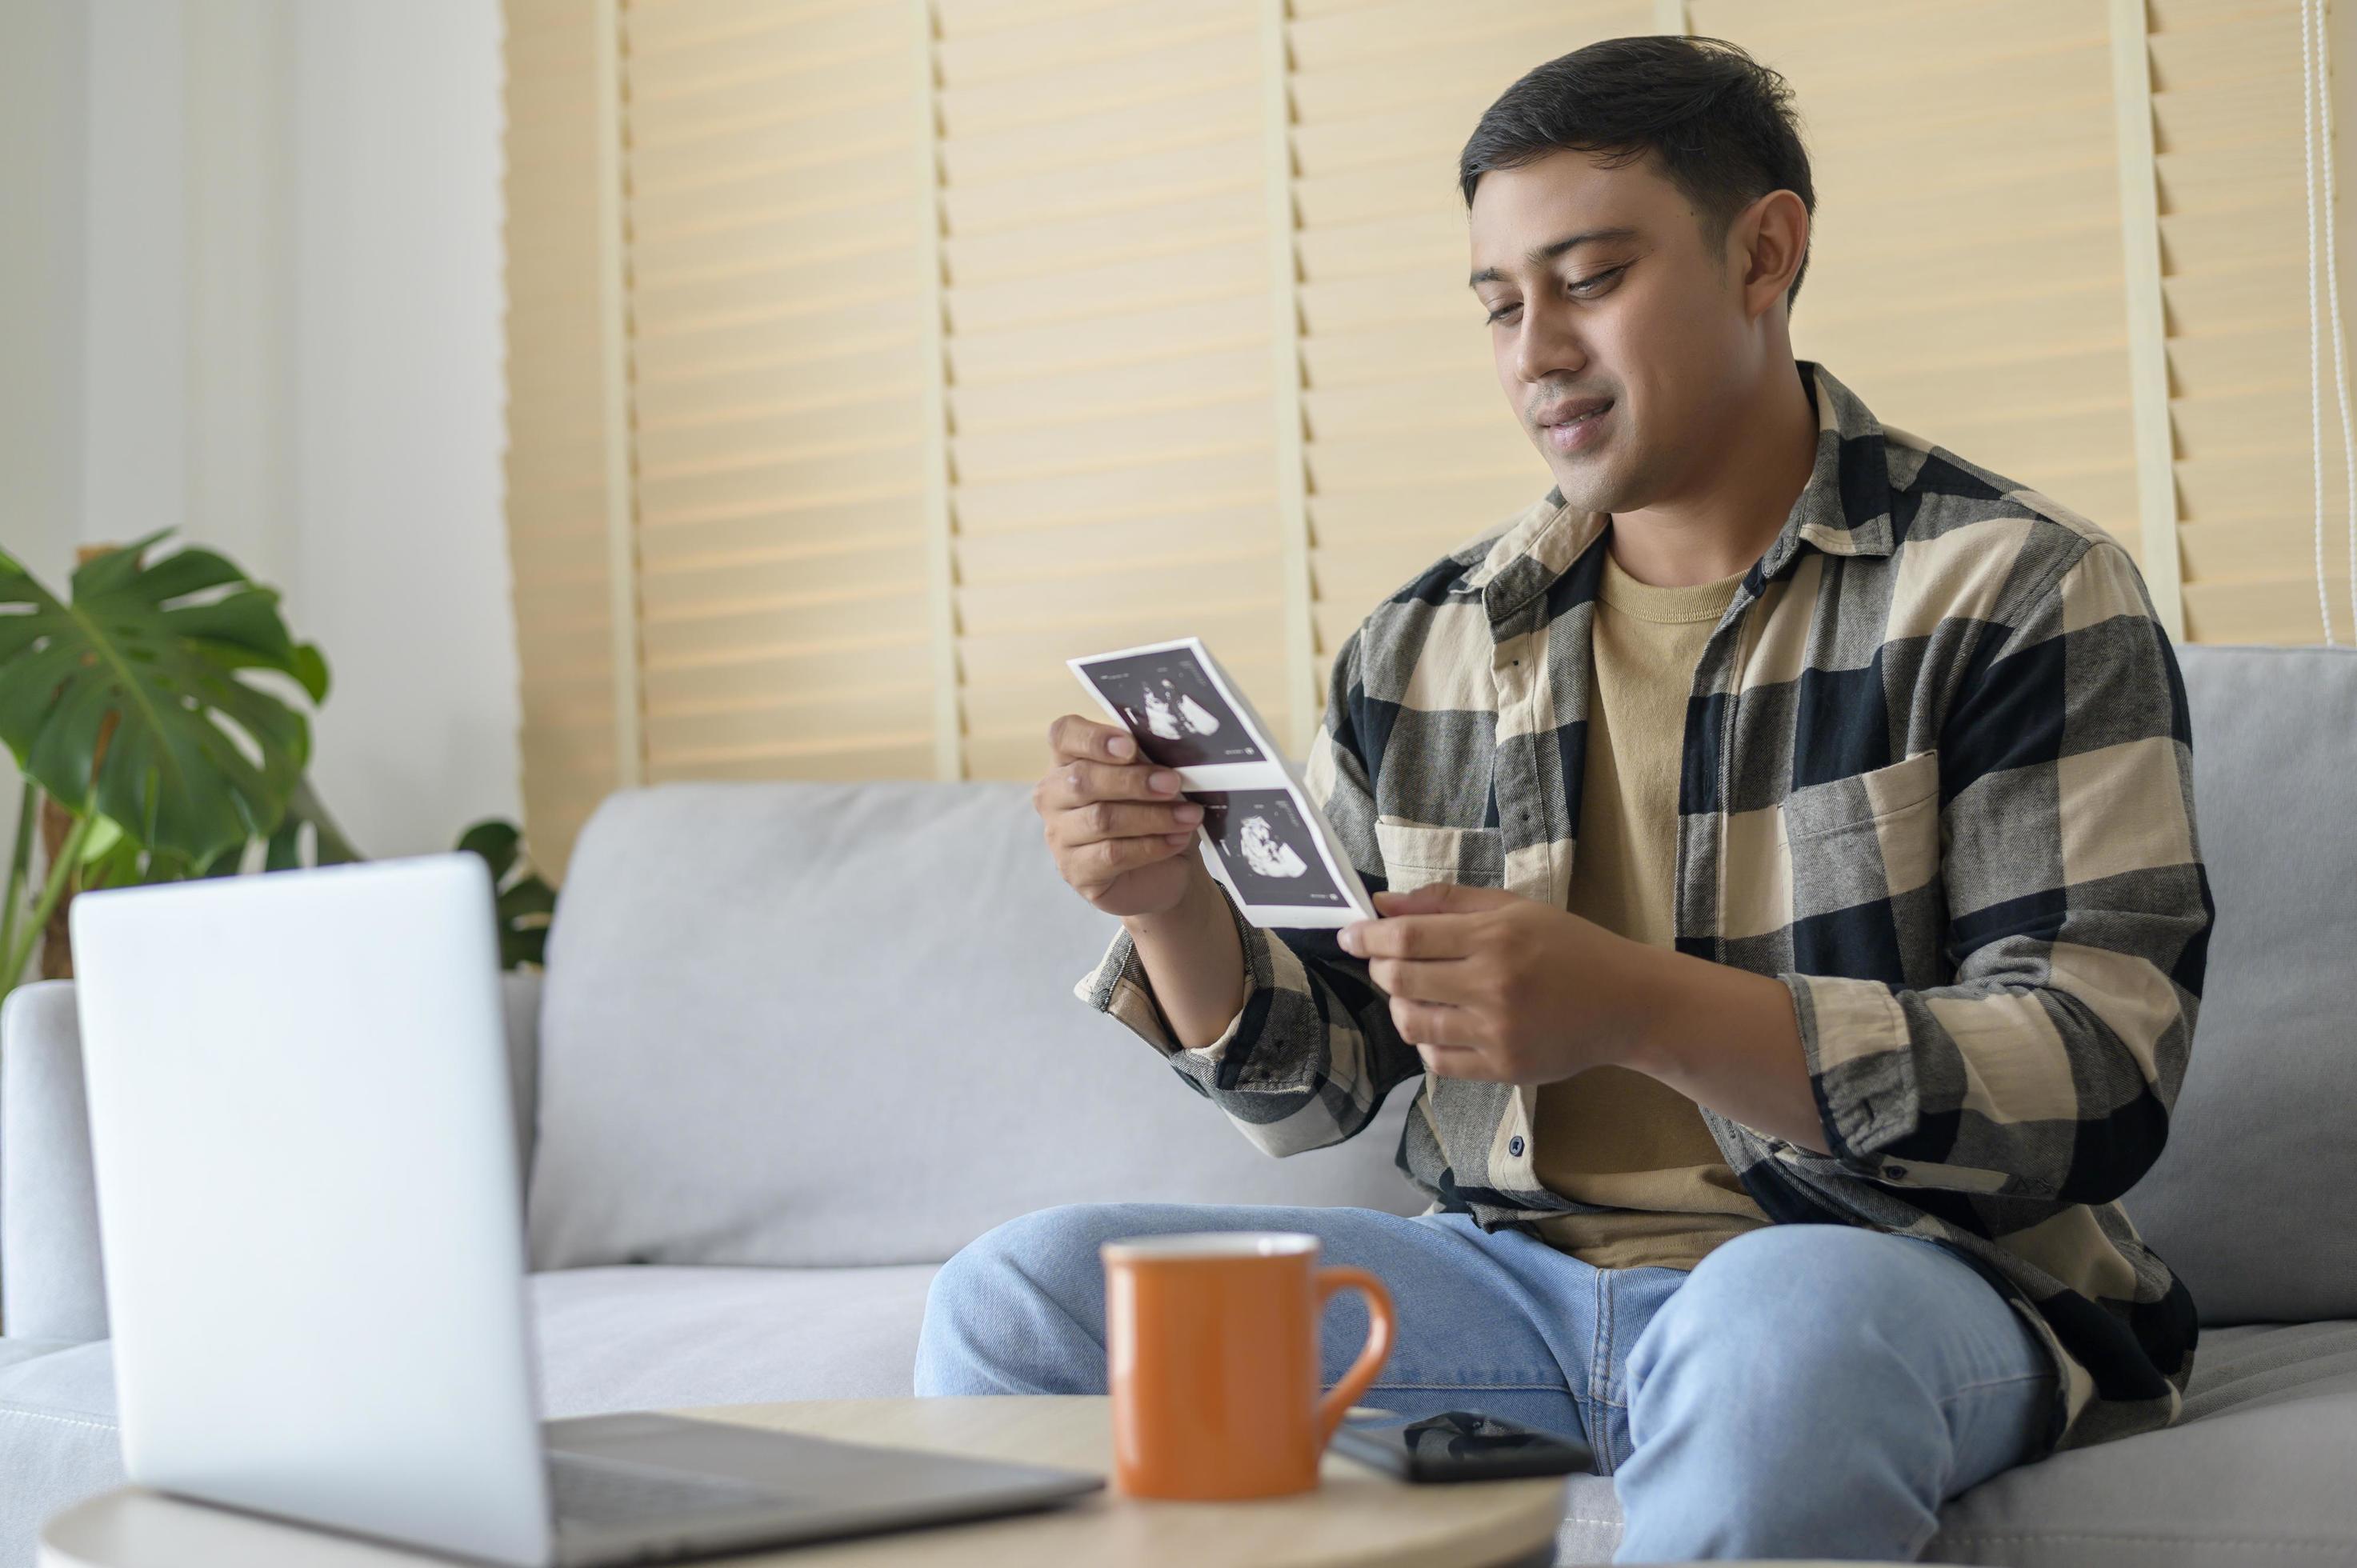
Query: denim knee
(1794, 1290)
(1048, 1243)
(1020, 1309)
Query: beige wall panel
(555, 460)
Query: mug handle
(1381, 1325)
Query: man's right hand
(1118, 825)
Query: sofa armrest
(51, 1284)
(520, 995)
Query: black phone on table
(1459, 1446)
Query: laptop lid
(307, 1180)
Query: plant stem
(329, 847)
(19, 862)
(61, 871)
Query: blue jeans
(1809, 1390)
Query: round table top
(1356, 1516)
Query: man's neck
(1735, 508)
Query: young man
(1794, 913)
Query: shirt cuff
(1119, 986)
(1861, 1059)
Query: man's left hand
(1488, 984)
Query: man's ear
(1768, 241)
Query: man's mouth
(1573, 423)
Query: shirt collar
(1843, 509)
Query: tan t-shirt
(1610, 1135)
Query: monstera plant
(153, 748)
(133, 706)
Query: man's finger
(1124, 819)
(1077, 783)
(1443, 898)
(1453, 1061)
(1074, 739)
(1436, 1023)
(1410, 936)
(1446, 981)
(1099, 864)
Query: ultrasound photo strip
(1262, 837)
(1184, 712)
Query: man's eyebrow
(1550, 251)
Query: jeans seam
(1923, 1482)
(1600, 1378)
(1484, 1387)
(1953, 1395)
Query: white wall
(398, 491)
(262, 283)
(44, 50)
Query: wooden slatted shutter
(869, 357)
(1113, 470)
(1966, 274)
(775, 292)
(2226, 106)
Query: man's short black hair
(1720, 124)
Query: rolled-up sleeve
(1309, 1058)
(2078, 921)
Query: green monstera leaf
(525, 902)
(198, 760)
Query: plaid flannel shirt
(1937, 780)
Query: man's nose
(1547, 347)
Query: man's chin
(1592, 487)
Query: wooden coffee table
(1356, 1517)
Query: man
(1792, 907)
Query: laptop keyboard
(605, 1494)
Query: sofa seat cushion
(667, 1338)
(56, 1436)
(2256, 1470)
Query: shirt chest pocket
(1873, 835)
(1415, 854)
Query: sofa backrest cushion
(2254, 1202)
(813, 1025)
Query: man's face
(1621, 340)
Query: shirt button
(1895, 1172)
(1514, 1146)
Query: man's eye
(1585, 289)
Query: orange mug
(1211, 1342)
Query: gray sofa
(797, 1044)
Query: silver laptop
(308, 1207)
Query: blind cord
(2332, 293)
(2315, 370)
